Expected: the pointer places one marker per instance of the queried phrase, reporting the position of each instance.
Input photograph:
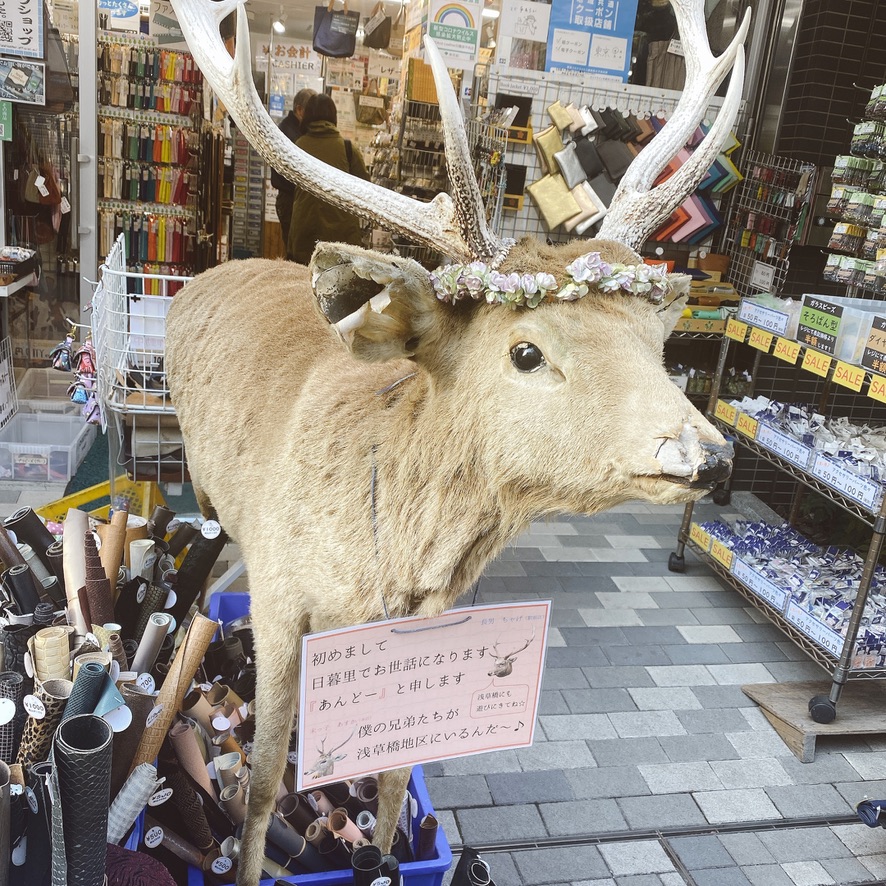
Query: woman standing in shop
(312, 219)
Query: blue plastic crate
(227, 607)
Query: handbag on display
(377, 29)
(398, 33)
(335, 31)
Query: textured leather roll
(37, 736)
(187, 751)
(19, 813)
(113, 536)
(19, 584)
(35, 564)
(36, 869)
(81, 754)
(285, 837)
(51, 654)
(130, 800)
(427, 838)
(4, 824)
(400, 848)
(126, 742)
(31, 530)
(9, 553)
(195, 569)
(99, 590)
(11, 687)
(225, 658)
(366, 790)
(55, 560)
(44, 614)
(15, 645)
(103, 659)
(54, 593)
(190, 809)
(128, 868)
(88, 686)
(152, 638)
(181, 538)
(74, 556)
(115, 647)
(159, 521)
(155, 597)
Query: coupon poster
(22, 81)
(594, 36)
(455, 27)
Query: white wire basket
(129, 333)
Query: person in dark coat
(291, 128)
(314, 220)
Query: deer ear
(378, 304)
(674, 302)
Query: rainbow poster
(455, 26)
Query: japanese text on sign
(788, 448)
(874, 356)
(865, 492)
(765, 318)
(21, 28)
(591, 35)
(819, 324)
(403, 692)
(760, 585)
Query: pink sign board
(413, 690)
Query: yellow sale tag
(721, 553)
(848, 376)
(787, 350)
(877, 388)
(725, 412)
(737, 330)
(700, 537)
(747, 425)
(816, 362)
(760, 339)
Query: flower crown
(477, 280)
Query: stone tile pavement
(650, 766)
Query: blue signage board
(594, 36)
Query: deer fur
(283, 429)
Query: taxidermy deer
(373, 435)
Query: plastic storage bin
(43, 446)
(45, 390)
(855, 324)
(228, 606)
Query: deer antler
(637, 208)
(343, 743)
(439, 224)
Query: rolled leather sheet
(196, 706)
(366, 862)
(427, 838)
(143, 557)
(285, 837)
(126, 742)
(130, 647)
(99, 589)
(366, 822)
(156, 631)
(15, 645)
(324, 804)
(297, 811)
(400, 848)
(175, 686)
(167, 648)
(19, 813)
(54, 593)
(11, 688)
(74, 559)
(136, 528)
(115, 647)
(225, 659)
(35, 564)
(332, 851)
(44, 614)
(155, 597)
(51, 654)
(113, 537)
(181, 538)
(190, 809)
(128, 868)
(226, 768)
(82, 778)
(38, 733)
(100, 658)
(55, 558)
(131, 799)
(340, 824)
(175, 843)
(159, 521)
(5, 848)
(233, 800)
(9, 553)
(37, 866)
(31, 530)
(194, 571)
(88, 685)
(19, 584)
(366, 791)
(83, 604)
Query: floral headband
(477, 280)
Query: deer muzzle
(693, 462)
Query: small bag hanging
(377, 29)
(398, 33)
(335, 33)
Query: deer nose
(693, 462)
(717, 464)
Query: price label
(140, 595)
(722, 554)
(814, 629)
(292, 758)
(760, 585)
(848, 376)
(747, 425)
(816, 363)
(160, 797)
(34, 707)
(789, 449)
(787, 350)
(736, 330)
(725, 412)
(31, 797)
(7, 710)
(154, 837)
(145, 682)
(877, 388)
(700, 537)
(91, 638)
(819, 323)
(211, 529)
(765, 318)
(154, 715)
(837, 476)
(221, 865)
(760, 340)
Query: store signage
(762, 277)
(591, 36)
(861, 490)
(814, 629)
(412, 690)
(523, 35)
(722, 554)
(119, 15)
(819, 324)
(5, 121)
(700, 537)
(848, 376)
(874, 356)
(877, 388)
(21, 28)
(760, 585)
(22, 81)
(163, 26)
(789, 449)
(383, 67)
(816, 363)
(725, 412)
(736, 330)
(787, 350)
(747, 425)
(289, 55)
(455, 27)
(760, 340)
(765, 318)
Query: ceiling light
(491, 13)
(279, 26)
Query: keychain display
(81, 362)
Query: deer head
(325, 763)
(504, 664)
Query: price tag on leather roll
(7, 710)
(29, 665)
(142, 591)
(221, 865)
(154, 715)
(145, 682)
(211, 529)
(93, 640)
(34, 707)
(160, 797)
(154, 837)
(31, 797)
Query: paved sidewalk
(647, 753)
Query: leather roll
(51, 654)
(44, 614)
(233, 800)
(131, 799)
(155, 597)
(181, 538)
(9, 553)
(130, 647)
(5, 848)
(15, 645)
(400, 848)
(126, 742)
(333, 852)
(19, 813)
(225, 659)
(194, 571)
(81, 658)
(341, 825)
(366, 790)
(167, 648)
(76, 525)
(19, 584)
(127, 607)
(55, 561)
(154, 634)
(226, 768)
(366, 822)
(136, 528)
(285, 837)
(113, 536)
(31, 530)
(187, 751)
(366, 862)
(83, 608)
(159, 520)
(176, 844)
(54, 593)
(35, 564)
(297, 811)
(11, 687)
(37, 735)
(87, 689)
(427, 838)
(324, 804)
(143, 557)
(190, 809)
(99, 590)
(82, 756)
(115, 647)
(128, 868)
(37, 866)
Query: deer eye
(527, 357)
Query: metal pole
(87, 220)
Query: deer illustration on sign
(325, 763)
(504, 664)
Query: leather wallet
(616, 158)
(547, 143)
(677, 219)
(646, 130)
(553, 200)
(570, 166)
(591, 124)
(560, 116)
(594, 197)
(586, 151)
(604, 189)
(589, 208)
(578, 121)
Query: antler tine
(433, 224)
(462, 180)
(344, 742)
(637, 208)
